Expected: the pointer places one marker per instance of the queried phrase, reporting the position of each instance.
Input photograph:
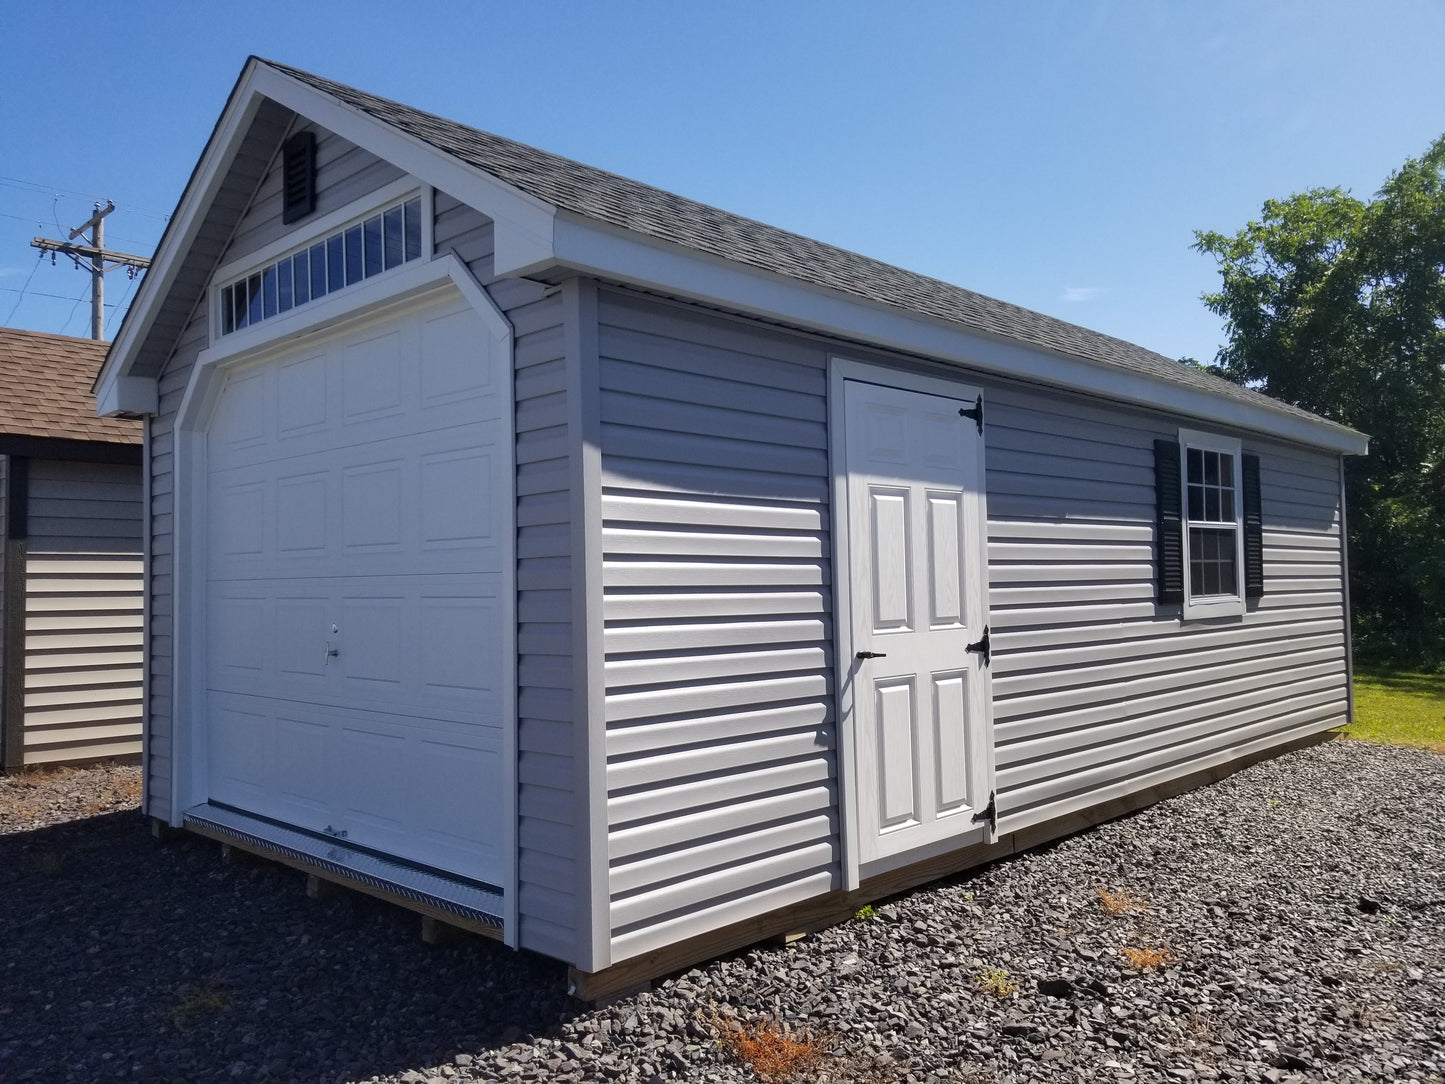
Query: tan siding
(83, 637)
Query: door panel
(915, 520)
(353, 670)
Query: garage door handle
(331, 653)
(871, 655)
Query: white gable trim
(531, 235)
(522, 230)
(610, 253)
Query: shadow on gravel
(125, 958)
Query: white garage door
(352, 632)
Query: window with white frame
(356, 252)
(1213, 535)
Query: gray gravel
(1299, 907)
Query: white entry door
(353, 635)
(920, 701)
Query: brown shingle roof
(45, 389)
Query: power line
(101, 260)
(33, 268)
(57, 297)
(37, 188)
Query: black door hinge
(982, 645)
(989, 812)
(975, 412)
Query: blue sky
(1057, 155)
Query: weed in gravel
(996, 981)
(773, 1051)
(1147, 959)
(865, 912)
(196, 1002)
(1119, 903)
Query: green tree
(1337, 305)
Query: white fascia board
(127, 394)
(159, 280)
(523, 222)
(595, 249)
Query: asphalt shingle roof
(45, 389)
(631, 205)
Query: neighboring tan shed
(71, 579)
(573, 561)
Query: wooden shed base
(436, 922)
(837, 907)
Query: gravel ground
(1295, 912)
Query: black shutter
(1253, 528)
(298, 177)
(1169, 525)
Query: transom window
(1213, 547)
(367, 247)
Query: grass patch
(1400, 708)
(1147, 959)
(1119, 903)
(192, 1004)
(996, 981)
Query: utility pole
(100, 259)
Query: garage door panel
(338, 513)
(371, 378)
(354, 555)
(446, 379)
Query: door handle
(331, 653)
(981, 645)
(871, 655)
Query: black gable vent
(298, 168)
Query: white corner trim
(610, 253)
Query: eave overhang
(533, 238)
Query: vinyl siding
(721, 778)
(1097, 691)
(547, 825)
(344, 172)
(83, 612)
(547, 829)
(722, 796)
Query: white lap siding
(82, 612)
(1097, 691)
(721, 789)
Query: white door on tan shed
(916, 587)
(353, 657)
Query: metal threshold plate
(466, 899)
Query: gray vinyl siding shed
(679, 778)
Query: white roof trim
(523, 223)
(597, 249)
(531, 235)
